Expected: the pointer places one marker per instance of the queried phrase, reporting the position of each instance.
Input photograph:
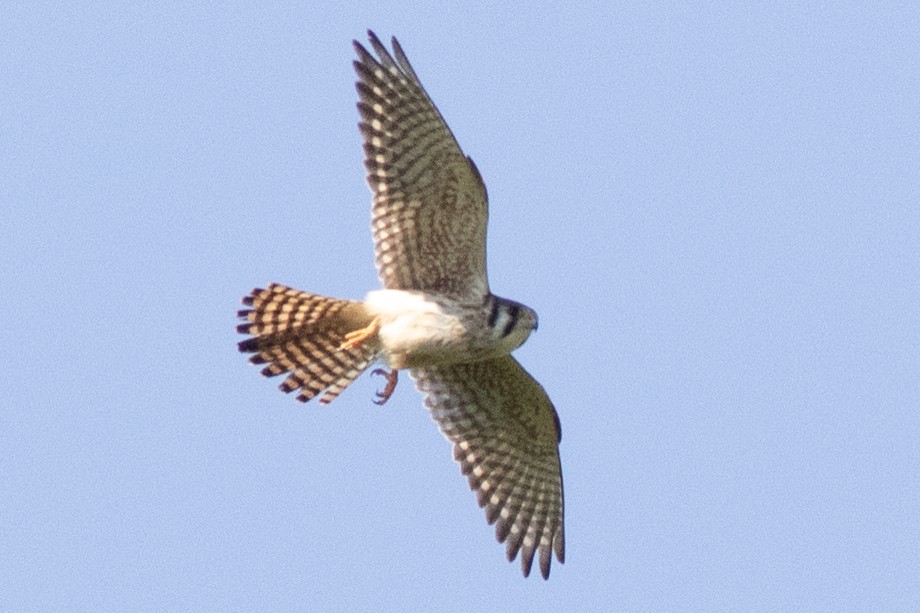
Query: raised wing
(506, 434)
(430, 204)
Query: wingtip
(527, 560)
(525, 567)
(559, 547)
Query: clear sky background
(715, 209)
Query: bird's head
(511, 323)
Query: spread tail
(305, 335)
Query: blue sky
(715, 209)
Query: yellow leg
(356, 338)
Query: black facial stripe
(493, 314)
(514, 311)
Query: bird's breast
(418, 329)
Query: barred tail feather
(302, 334)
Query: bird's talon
(392, 378)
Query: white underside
(415, 330)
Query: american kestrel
(435, 316)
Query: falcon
(435, 316)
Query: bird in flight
(435, 316)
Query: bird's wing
(505, 433)
(430, 204)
